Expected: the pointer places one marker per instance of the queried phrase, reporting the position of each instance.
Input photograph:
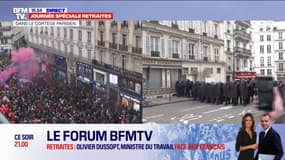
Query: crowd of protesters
(239, 92)
(45, 100)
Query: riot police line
(238, 92)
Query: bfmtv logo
(21, 13)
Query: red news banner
(72, 16)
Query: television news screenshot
(85, 80)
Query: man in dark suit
(269, 139)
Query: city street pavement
(196, 112)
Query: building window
(268, 61)
(216, 29)
(124, 40)
(65, 33)
(89, 54)
(261, 61)
(137, 64)
(88, 23)
(261, 49)
(268, 48)
(218, 70)
(101, 57)
(138, 42)
(58, 32)
(261, 38)
(113, 60)
(260, 29)
(101, 36)
(269, 72)
(229, 68)
(244, 63)
(185, 70)
(80, 52)
(238, 64)
(250, 65)
(89, 37)
(280, 67)
(79, 35)
(228, 26)
(262, 72)
(191, 51)
(175, 46)
(51, 31)
(217, 54)
(154, 43)
(205, 52)
(280, 35)
(267, 29)
(228, 45)
(280, 45)
(100, 78)
(280, 55)
(113, 38)
(269, 37)
(71, 34)
(124, 62)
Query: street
(197, 112)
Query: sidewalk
(165, 100)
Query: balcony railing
(113, 45)
(123, 47)
(175, 55)
(137, 50)
(101, 43)
(242, 50)
(242, 34)
(155, 54)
